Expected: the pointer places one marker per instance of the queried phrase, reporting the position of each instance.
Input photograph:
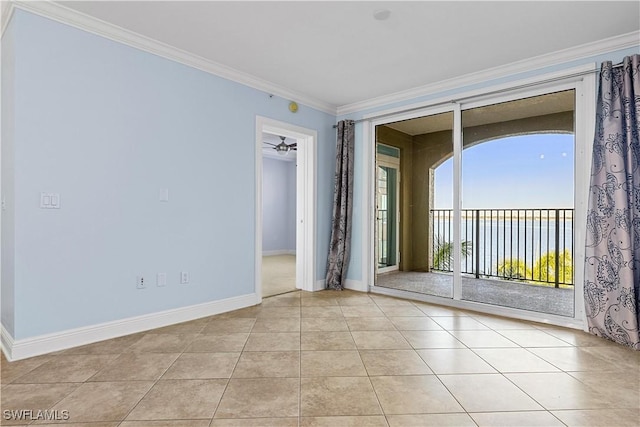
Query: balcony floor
(542, 299)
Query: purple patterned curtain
(612, 271)
(340, 245)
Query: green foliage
(443, 253)
(544, 269)
(514, 269)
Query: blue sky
(529, 171)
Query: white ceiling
(338, 54)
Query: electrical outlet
(140, 282)
(184, 277)
(161, 279)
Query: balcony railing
(528, 245)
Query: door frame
(583, 80)
(306, 236)
(390, 162)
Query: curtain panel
(612, 270)
(340, 244)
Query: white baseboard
(354, 285)
(279, 252)
(6, 341)
(29, 347)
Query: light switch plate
(164, 194)
(161, 279)
(50, 200)
(55, 200)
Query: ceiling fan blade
(268, 143)
(295, 144)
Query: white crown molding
(29, 347)
(6, 11)
(65, 15)
(560, 57)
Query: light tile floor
(335, 359)
(278, 274)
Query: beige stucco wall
(429, 149)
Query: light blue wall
(107, 126)
(7, 294)
(359, 216)
(278, 205)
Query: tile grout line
(438, 375)
(440, 380)
(146, 393)
(157, 380)
(244, 346)
(513, 383)
(367, 371)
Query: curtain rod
(454, 101)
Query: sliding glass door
(487, 192)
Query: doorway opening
(279, 190)
(285, 208)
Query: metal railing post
(476, 248)
(557, 247)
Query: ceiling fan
(283, 148)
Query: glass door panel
(424, 235)
(517, 203)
